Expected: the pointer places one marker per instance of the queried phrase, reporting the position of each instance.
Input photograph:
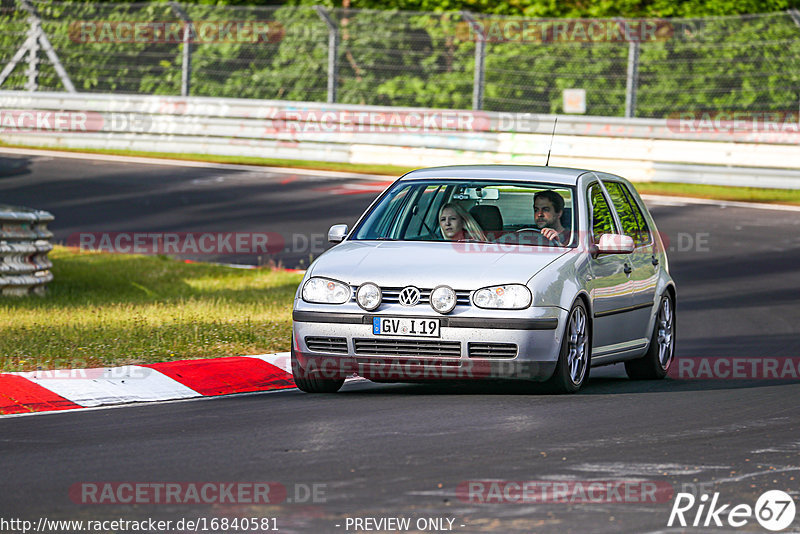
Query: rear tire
(655, 364)
(310, 383)
(574, 359)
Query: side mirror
(338, 232)
(615, 244)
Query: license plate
(397, 326)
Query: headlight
(368, 296)
(443, 299)
(325, 291)
(509, 297)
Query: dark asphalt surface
(89, 197)
(403, 450)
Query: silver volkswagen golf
(489, 272)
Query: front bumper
(481, 345)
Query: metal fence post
(795, 14)
(33, 55)
(186, 56)
(333, 52)
(478, 82)
(632, 84)
(36, 39)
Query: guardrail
(24, 244)
(677, 149)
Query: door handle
(655, 261)
(628, 269)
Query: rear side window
(602, 220)
(633, 222)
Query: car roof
(557, 175)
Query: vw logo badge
(409, 296)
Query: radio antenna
(552, 135)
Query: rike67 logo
(774, 510)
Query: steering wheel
(541, 236)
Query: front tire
(574, 359)
(311, 382)
(655, 364)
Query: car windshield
(526, 213)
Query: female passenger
(458, 225)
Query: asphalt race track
(403, 451)
(103, 197)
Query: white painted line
(792, 447)
(111, 385)
(189, 163)
(622, 469)
(751, 475)
(682, 201)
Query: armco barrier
(24, 244)
(640, 149)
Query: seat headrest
(488, 217)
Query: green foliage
(402, 58)
(574, 8)
(722, 63)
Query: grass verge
(721, 192)
(112, 309)
(714, 192)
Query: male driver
(548, 206)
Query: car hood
(464, 266)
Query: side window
(643, 237)
(633, 223)
(602, 220)
(425, 212)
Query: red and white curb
(69, 389)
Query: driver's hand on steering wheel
(550, 234)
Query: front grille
(391, 295)
(337, 345)
(408, 347)
(432, 362)
(492, 350)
